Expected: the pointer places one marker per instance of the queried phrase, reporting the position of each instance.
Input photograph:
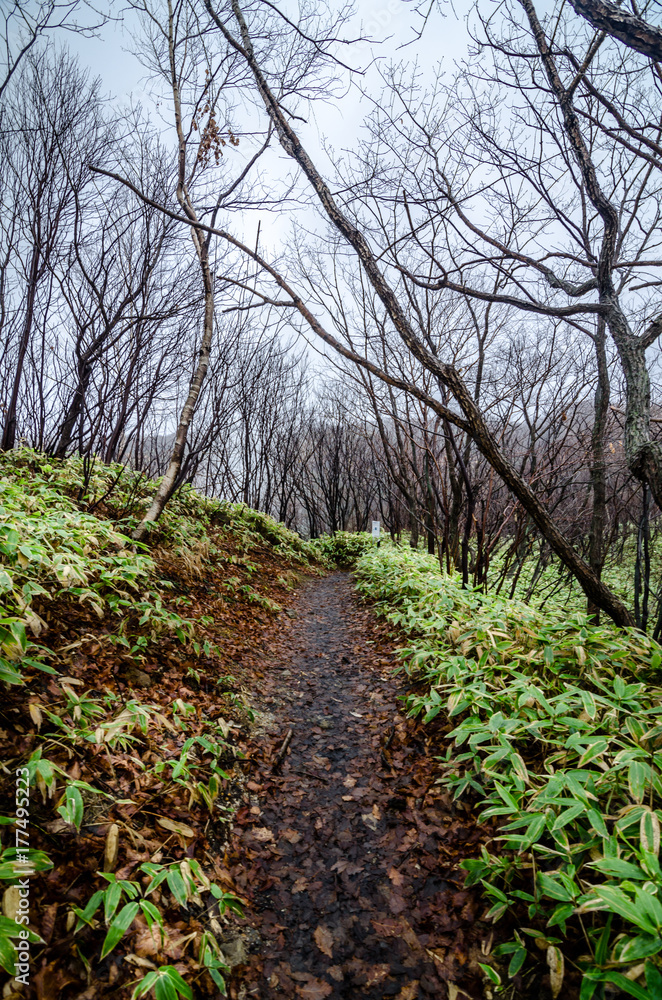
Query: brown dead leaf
(354, 869)
(377, 973)
(261, 833)
(396, 903)
(175, 827)
(292, 836)
(147, 942)
(409, 992)
(395, 877)
(349, 782)
(324, 940)
(336, 973)
(388, 927)
(51, 980)
(48, 922)
(409, 937)
(300, 885)
(315, 989)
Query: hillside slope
(120, 722)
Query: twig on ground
(278, 760)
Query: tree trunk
(598, 470)
(168, 483)
(75, 408)
(447, 374)
(9, 430)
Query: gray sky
(389, 24)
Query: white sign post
(375, 529)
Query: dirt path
(349, 854)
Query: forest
(331, 478)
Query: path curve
(348, 854)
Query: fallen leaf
(261, 833)
(377, 973)
(300, 885)
(555, 963)
(395, 877)
(112, 845)
(369, 820)
(336, 973)
(396, 904)
(147, 942)
(48, 922)
(142, 963)
(324, 940)
(354, 869)
(315, 989)
(340, 866)
(292, 836)
(349, 782)
(174, 827)
(410, 938)
(388, 927)
(49, 982)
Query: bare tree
(641, 448)
(176, 51)
(24, 22)
(52, 126)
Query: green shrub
(558, 727)
(345, 547)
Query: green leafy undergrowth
(343, 548)
(553, 588)
(128, 795)
(191, 774)
(556, 725)
(52, 548)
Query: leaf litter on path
(357, 892)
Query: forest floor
(347, 852)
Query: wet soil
(348, 852)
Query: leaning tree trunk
(475, 422)
(75, 408)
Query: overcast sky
(387, 23)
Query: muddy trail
(348, 852)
